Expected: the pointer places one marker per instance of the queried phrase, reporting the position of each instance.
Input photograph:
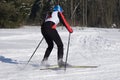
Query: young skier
(51, 35)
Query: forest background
(83, 13)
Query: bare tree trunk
(71, 12)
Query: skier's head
(58, 8)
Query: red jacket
(57, 17)
(64, 22)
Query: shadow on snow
(7, 60)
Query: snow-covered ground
(89, 47)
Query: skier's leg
(59, 43)
(49, 49)
(49, 42)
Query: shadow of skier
(7, 60)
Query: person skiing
(49, 32)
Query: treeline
(91, 13)
(13, 13)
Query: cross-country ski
(55, 67)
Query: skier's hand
(71, 30)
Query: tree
(92, 13)
(13, 12)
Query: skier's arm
(64, 22)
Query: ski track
(89, 46)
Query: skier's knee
(50, 47)
(60, 46)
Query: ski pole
(67, 51)
(35, 51)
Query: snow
(88, 47)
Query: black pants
(51, 36)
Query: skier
(51, 35)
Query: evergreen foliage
(93, 13)
(13, 13)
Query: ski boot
(61, 63)
(45, 63)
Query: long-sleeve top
(57, 17)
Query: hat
(58, 8)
